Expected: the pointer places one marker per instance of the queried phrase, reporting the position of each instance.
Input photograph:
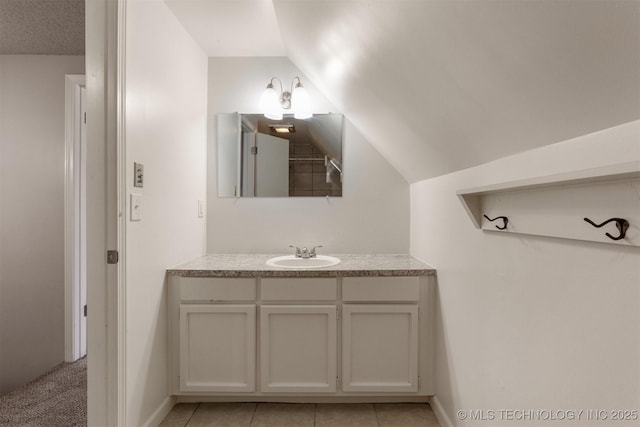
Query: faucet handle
(298, 252)
(313, 250)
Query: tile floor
(301, 415)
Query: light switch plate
(135, 205)
(201, 208)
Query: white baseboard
(158, 415)
(290, 398)
(438, 410)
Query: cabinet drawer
(312, 289)
(217, 289)
(380, 289)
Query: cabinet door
(298, 348)
(217, 347)
(380, 347)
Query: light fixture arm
(271, 99)
(299, 84)
(270, 85)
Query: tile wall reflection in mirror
(260, 157)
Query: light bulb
(300, 103)
(270, 104)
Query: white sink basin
(290, 261)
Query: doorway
(75, 218)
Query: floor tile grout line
(315, 413)
(375, 411)
(255, 409)
(192, 414)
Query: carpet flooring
(56, 399)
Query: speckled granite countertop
(254, 265)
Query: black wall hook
(621, 223)
(503, 218)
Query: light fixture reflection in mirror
(260, 157)
(296, 99)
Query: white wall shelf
(556, 205)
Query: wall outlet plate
(138, 175)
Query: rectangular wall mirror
(260, 157)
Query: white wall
(32, 104)
(166, 100)
(531, 322)
(372, 216)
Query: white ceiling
(441, 85)
(231, 27)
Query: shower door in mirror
(259, 157)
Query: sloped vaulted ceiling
(438, 86)
(441, 85)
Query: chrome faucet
(312, 254)
(304, 252)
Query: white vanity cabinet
(213, 323)
(380, 338)
(298, 335)
(217, 347)
(280, 337)
(298, 348)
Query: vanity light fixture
(297, 100)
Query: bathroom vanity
(359, 330)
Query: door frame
(72, 213)
(106, 192)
